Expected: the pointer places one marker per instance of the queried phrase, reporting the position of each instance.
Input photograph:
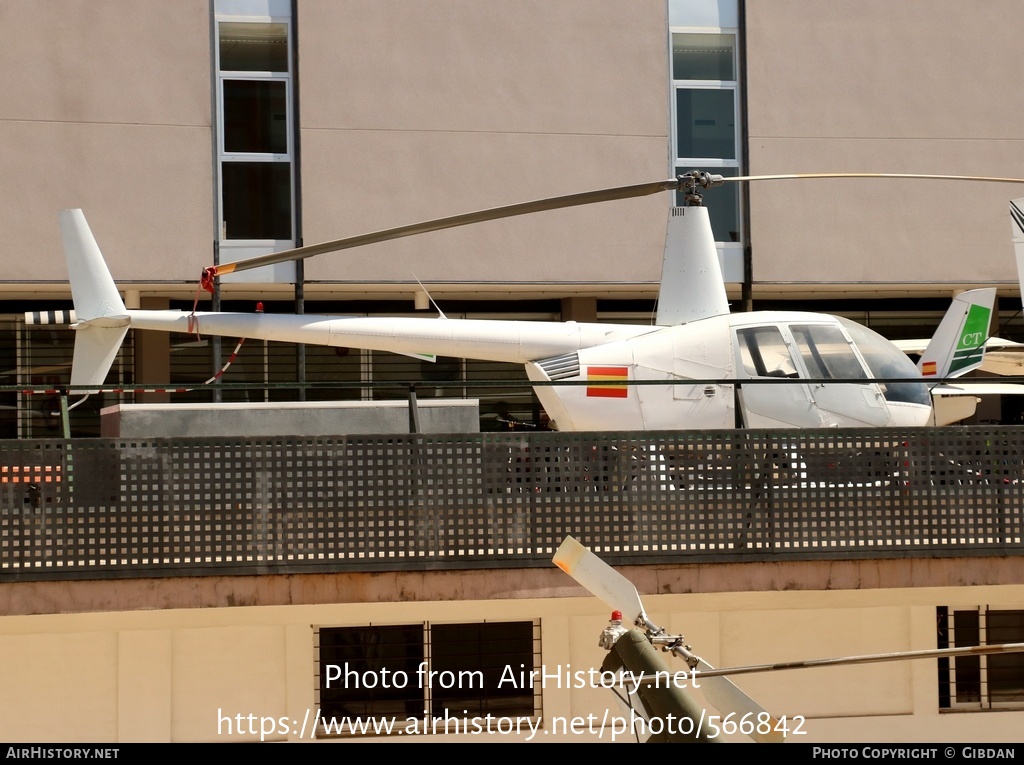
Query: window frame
(426, 721)
(722, 165)
(978, 665)
(253, 247)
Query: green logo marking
(970, 348)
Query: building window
(427, 678)
(706, 108)
(255, 136)
(995, 681)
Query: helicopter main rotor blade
(874, 658)
(805, 176)
(454, 221)
(619, 594)
(694, 178)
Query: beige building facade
(220, 129)
(238, 658)
(223, 129)
(394, 114)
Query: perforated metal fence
(115, 508)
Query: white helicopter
(677, 374)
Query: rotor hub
(690, 182)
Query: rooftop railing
(101, 508)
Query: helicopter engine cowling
(649, 382)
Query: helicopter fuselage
(776, 368)
(783, 365)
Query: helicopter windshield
(826, 352)
(887, 362)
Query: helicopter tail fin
(692, 285)
(102, 320)
(958, 345)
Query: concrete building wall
(407, 112)
(873, 86)
(417, 111)
(106, 107)
(184, 674)
(413, 111)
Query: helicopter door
(827, 354)
(764, 354)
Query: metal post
(300, 348)
(414, 412)
(65, 427)
(65, 416)
(215, 343)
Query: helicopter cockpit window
(885, 361)
(764, 353)
(827, 353)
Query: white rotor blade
(551, 203)
(726, 697)
(453, 221)
(873, 658)
(805, 176)
(600, 579)
(619, 594)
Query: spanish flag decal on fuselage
(928, 369)
(607, 382)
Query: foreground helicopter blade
(600, 579)
(619, 594)
(871, 658)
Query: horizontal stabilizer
(95, 350)
(983, 388)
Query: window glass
(980, 681)
(326, 364)
(257, 200)
(705, 123)
(450, 671)
(250, 47)
(255, 116)
(703, 56)
(764, 353)
(885, 361)
(1005, 671)
(445, 371)
(486, 651)
(826, 352)
(355, 664)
